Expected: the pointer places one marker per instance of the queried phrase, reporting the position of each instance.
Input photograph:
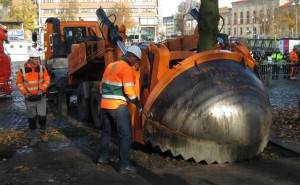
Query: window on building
(254, 32)
(48, 11)
(248, 17)
(148, 20)
(254, 17)
(241, 18)
(87, 10)
(234, 18)
(229, 31)
(148, 33)
(241, 31)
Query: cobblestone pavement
(283, 98)
(12, 111)
(282, 94)
(76, 165)
(13, 116)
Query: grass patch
(57, 137)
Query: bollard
(269, 77)
(62, 103)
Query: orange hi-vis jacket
(294, 57)
(117, 85)
(32, 78)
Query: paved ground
(283, 95)
(66, 163)
(78, 169)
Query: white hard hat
(135, 50)
(34, 53)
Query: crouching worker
(117, 88)
(33, 80)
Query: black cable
(102, 23)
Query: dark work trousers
(263, 70)
(286, 71)
(36, 111)
(121, 118)
(275, 71)
(37, 108)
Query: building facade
(144, 13)
(255, 19)
(168, 27)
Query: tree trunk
(208, 25)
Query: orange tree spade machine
(209, 106)
(5, 65)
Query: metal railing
(277, 70)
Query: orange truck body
(5, 66)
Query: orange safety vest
(117, 85)
(32, 78)
(294, 57)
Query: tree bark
(208, 25)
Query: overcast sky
(169, 7)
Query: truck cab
(60, 39)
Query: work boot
(43, 134)
(128, 169)
(33, 138)
(102, 161)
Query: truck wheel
(96, 110)
(83, 105)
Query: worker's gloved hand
(40, 92)
(138, 105)
(140, 111)
(27, 95)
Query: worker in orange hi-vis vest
(294, 61)
(33, 80)
(117, 89)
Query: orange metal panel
(160, 64)
(174, 45)
(189, 43)
(135, 118)
(77, 59)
